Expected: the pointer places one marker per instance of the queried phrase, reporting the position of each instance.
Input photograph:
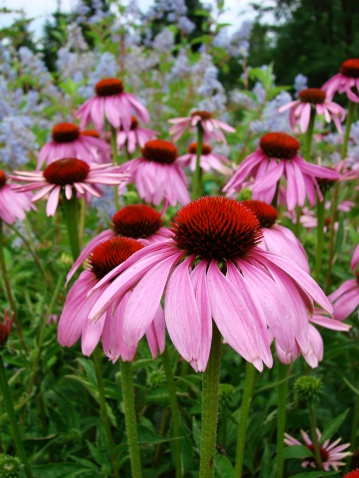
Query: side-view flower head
(208, 160)
(346, 81)
(136, 136)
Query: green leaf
(314, 474)
(297, 451)
(223, 467)
(145, 435)
(333, 426)
(351, 386)
(340, 236)
(57, 470)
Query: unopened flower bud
(10, 466)
(308, 387)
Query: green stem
(197, 177)
(335, 200)
(12, 419)
(8, 291)
(282, 391)
(298, 211)
(243, 418)
(71, 218)
(309, 134)
(116, 160)
(130, 418)
(275, 199)
(313, 431)
(103, 410)
(355, 425)
(320, 237)
(171, 387)
(210, 389)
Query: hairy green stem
(103, 411)
(309, 134)
(8, 290)
(210, 397)
(12, 419)
(313, 431)
(282, 392)
(130, 418)
(197, 177)
(72, 223)
(171, 387)
(243, 418)
(320, 237)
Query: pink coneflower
(346, 298)
(313, 98)
(68, 175)
(69, 142)
(136, 136)
(157, 174)
(276, 238)
(316, 352)
(12, 204)
(137, 221)
(278, 156)
(208, 159)
(5, 328)
(74, 321)
(346, 81)
(211, 268)
(112, 103)
(212, 127)
(331, 453)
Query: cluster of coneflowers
(222, 269)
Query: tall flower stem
(320, 237)
(8, 290)
(282, 392)
(309, 134)
(275, 199)
(171, 387)
(243, 418)
(210, 397)
(197, 177)
(72, 222)
(103, 411)
(335, 199)
(130, 418)
(12, 419)
(313, 432)
(116, 160)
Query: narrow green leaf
(333, 426)
(223, 467)
(297, 451)
(314, 474)
(351, 386)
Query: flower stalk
(197, 177)
(313, 431)
(243, 418)
(130, 418)
(116, 160)
(210, 398)
(282, 393)
(309, 134)
(320, 237)
(12, 419)
(71, 218)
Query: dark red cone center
(216, 228)
(160, 151)
(3, 179)
(137, 221)
(66, 171)
(205, 115)
(279, 145)
(206, 148)
(324, 454)
(109, 87)
(110, 254)
(90, 132)
(266, 214)
(65, 133)
(350, 68)
(312, 95)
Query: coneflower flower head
(347, 81)
(136, 136)
(13, 204)
(208, 159)
(211, 267)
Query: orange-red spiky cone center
(66, 171)
(350, 68)
(110, 254)
(312, 95)
(279, 145)
(352, 474)
(3, 178)
(266, 214)
(324, 454)
(137, 221)
(205, 115)
(160, 151)
(206, 148)
(90, 132)
(65, 133)
(216, 228)
(109, 87)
